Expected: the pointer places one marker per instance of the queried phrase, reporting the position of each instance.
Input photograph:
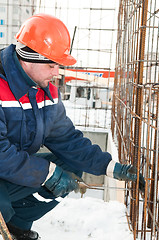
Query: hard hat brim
(66, 61)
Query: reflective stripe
(27, 105)
(110, 169)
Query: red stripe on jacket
(7, 95)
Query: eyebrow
(54, 63)
(52, 66)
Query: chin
(44, 85)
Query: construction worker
(32, 115)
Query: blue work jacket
(23, 129)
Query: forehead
(41, 65)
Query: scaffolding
(92, 26)
(135, 111)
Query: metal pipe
(156, 170)
(73, 39)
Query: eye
(52, 66)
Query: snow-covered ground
(85, 219)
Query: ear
(25, 65)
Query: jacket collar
(19, 82)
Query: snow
(84, 219)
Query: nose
(55, 70)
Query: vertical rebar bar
(156, 169)
(3, 229)
(138, 111)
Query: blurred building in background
(12, 14)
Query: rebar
(135, 113)
(3, 229)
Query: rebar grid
(135, 110)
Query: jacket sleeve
(17, 166)
(69, 145)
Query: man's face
(41, 73)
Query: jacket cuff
(51, 171)
(110, 169)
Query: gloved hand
(126, 172)
(62, 182)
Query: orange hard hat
(48, 36)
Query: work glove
(62, 182)
(124, 172)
